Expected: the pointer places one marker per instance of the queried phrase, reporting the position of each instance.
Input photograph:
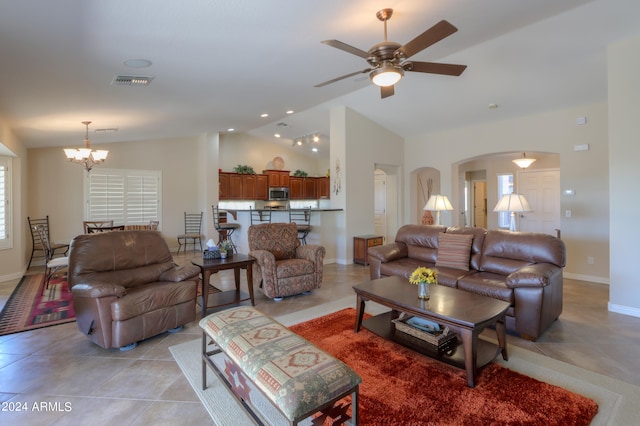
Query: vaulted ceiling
(220, 64)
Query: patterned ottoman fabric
(293, 373)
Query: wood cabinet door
(295, 188)
(223, 186)
(235, 186)
(309, 189)
(323, 187)
(248, 187)
(284, 178)
(262, 187)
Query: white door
(542, 191)
(380, 202)
(480, 204)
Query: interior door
(480, 204)
(380, 202)
(542, 191)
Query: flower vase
(423, 291)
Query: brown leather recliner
(126, 287)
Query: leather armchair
(283, 266)
(126, 287)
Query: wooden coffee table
(466, 314)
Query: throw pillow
(454, 251)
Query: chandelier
(85, 156)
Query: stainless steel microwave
(279, 194)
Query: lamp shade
(386, 76)
(512, 203)
(524, 162)
(437, 203)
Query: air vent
(131, 80)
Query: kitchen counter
(234, 212)
(324, 223)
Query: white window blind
(128, 197)
(5, 210)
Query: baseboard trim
(624, 310)
(590, 278)
(9, 277)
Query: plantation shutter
(128, 197)
(142, 199)
(4, 203)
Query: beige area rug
(617, 401)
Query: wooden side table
(230, 297)
(361, 245)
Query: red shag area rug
(27, 309)
(402, 387)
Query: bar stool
(261, 216)
(302, 218)
(225, 229)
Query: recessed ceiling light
(298, 143)
(277, 135)
(231, 129)
(264, 115)
(290, 111)
(137, 63)
(314, 149)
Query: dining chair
(52, 264)
(95, 230)
(95, 224)
(192, 231)
(225, 229)
(36, 241)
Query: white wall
(241, 148)
(586, 233)
(624, 151)
(360, 144)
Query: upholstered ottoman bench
(298, 378)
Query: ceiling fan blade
(431, 36)
(343, 77)
(437, 68)
(347, 48)
(386, 91)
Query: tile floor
(85, 384)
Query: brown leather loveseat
(126, 287)
(524, 269)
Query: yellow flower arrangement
(424, 275)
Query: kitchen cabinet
(262, 187)
(323, 187)
(361, 246)
(223, 186)
(277, 178)
(309, 188)
(248, 187)
(295, 188)
(234, 186)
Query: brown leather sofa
(126, 287)
(524, 269)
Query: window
(505, 187)
(6, 241)
(128, 197)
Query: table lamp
(438, 203)
(512, 203)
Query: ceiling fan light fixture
(387, 75)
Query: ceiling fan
(388, 59)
